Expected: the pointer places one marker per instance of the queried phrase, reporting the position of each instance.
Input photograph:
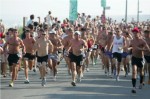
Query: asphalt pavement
(94, 85)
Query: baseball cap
(52, 32)
(136, 30)
(77, 32)
(146, 31)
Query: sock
(141, 79)
(133, 82)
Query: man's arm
(60, 45)
(35, 46)
(1, 50)
(23, 46)
(111, 45)
(69, 46)
(5, 45)
(85, 45)
(51, 47)
(145, 48)
(64, 42)
(124, 43)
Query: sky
(14, 10)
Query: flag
(73, 14)
(103, 3)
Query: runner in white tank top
(117, 45)
(117, 50)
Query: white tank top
(117, 43)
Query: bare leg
(74, 72)
(26, 68)
(31, 64)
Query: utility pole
(126, 11)
(104, 14)
(103, 4)
(138, 11)
(24, 21)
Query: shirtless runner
(77, 45)
(66, 42)
(14, 44)
(43, 47)
(30, 54)
(138, 46)
(147, 53)
(54, 56)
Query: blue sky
(16, 9)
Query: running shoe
(73, 83)
(111, 76)
(81, 75)
(117, 78)
(11, 84)
(87, 69)
(114, 72)
(43, 82)
(140, 86)
(4, 75)
(79, 79)
(54, 78)
(133, 90)
(27, 81)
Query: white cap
(77, 32)
(52, 32)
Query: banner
(103, 3)
(73, 14)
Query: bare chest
(14, 43)
(55, 42)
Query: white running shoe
(43, 82)
(54, 78)
(26, 81)
(87, 69)
(117, 78)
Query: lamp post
(24, 21)
(138, 11)
(126, 11)
(103, 4)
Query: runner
(138, 45)
(30, 54)
(54, 56)
(66, 42)
(101, 39)
(126, 53)
(77, 46)
(14, 44)
(108, 52)
(43, 47)
(147, 53)
(117, 50)
(3, 56)
(90, 42)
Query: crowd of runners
(84, 42)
